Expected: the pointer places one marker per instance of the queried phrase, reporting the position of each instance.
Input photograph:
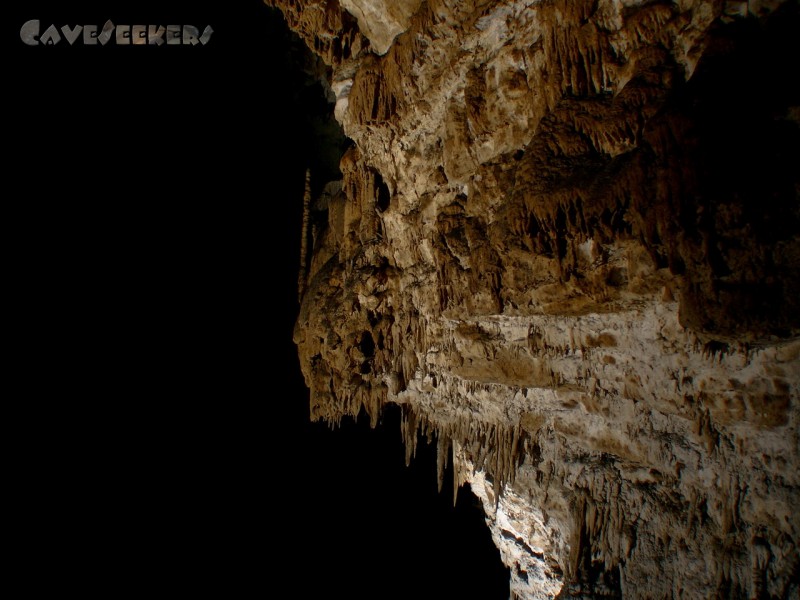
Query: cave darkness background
(156, 426)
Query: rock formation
(566, 242)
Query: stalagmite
(304, 233)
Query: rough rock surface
(567, 243)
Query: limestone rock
(381, 20)
(567, 243)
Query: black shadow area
(156, 427)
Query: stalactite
(442, 454)
(409, 425)
(456, 480)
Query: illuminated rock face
(382, 20)
(567, 243)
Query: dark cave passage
(166, 424)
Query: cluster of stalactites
(494, 448)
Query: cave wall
(567, 242)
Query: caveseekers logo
(122, 35)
